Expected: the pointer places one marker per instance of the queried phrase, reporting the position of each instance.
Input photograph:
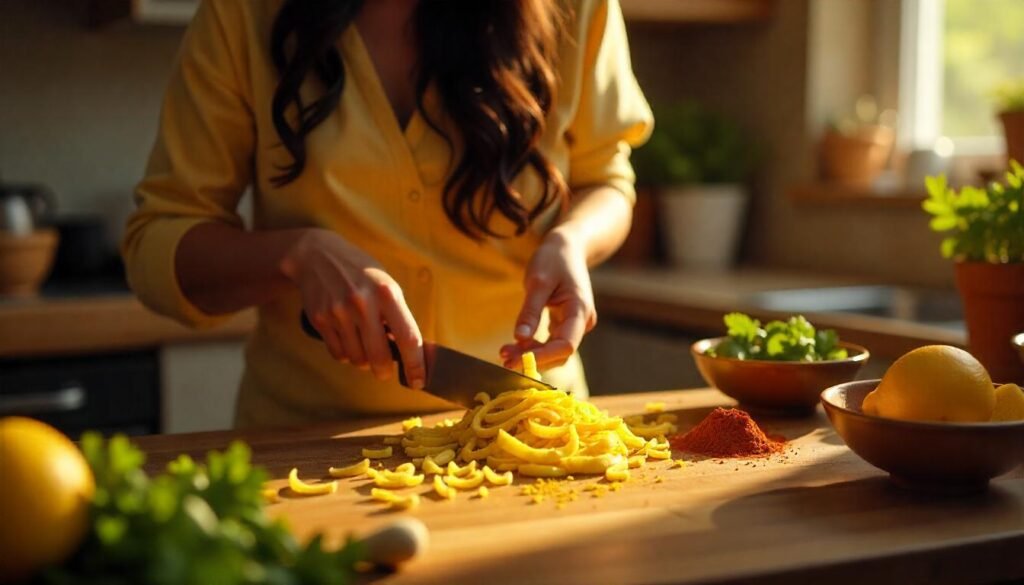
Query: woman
(445, 170)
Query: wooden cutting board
(815, 513)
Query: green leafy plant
(691, 145)
(198, 523)
(985, 224)
(794, 340)
(1010, 96)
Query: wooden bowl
(930, 456)
(25, 261)
(1018, 340)
(785, 387)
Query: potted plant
(1010, 106)
(855, 149)
(986, 238)
(696, 161)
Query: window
(954, 53)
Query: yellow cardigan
(368, 179)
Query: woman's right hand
(349, 298)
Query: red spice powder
(727, 433)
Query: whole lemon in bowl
(934, 383)
(1009, 403)
(45, 492)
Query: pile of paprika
(727, 433)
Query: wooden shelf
(836, 194)
(697, 11)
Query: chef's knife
(453, 375)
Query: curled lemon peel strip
(617, 473)
(383, 453)
(445, 457)
(309, 489)
(470, 481)
(442, 489)
(530, 366)
(397, 501)
(353, 470)
(430, 467)
(637, 461)
(495, 478)
(397, 480)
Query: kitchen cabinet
(153, 369)
(623, 357)
(199, 385)
(110, 393)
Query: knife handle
(396, 355)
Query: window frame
(920, 83)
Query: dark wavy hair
(493, 63)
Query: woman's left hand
(557, 278)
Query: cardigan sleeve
(612, 116)
(201, 163)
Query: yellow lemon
(45, 489)
(934, 383)
(870, 404)
(1009, 403)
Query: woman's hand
(557, 278)
(350, 299)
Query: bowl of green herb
(782, 366)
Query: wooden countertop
(97, 324)
(817, 513)
(692, 301)
(696, 301)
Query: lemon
(45, 489)
(934, 383)
(1009, 403)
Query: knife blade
(452, 375)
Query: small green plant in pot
(1010, 109)
(696, 162)
(985, 228)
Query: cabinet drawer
(109, 393)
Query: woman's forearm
(222, 269)
(599, 221)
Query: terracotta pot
(1013, 128)
(25, 261)
(640, 247)
(993, 297)
(856, 159)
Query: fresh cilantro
(983, 224)
(792, 340)
(196, 524)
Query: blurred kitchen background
(798, 131)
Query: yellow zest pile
(543, 433)
(309, 489)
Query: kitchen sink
(938, 308)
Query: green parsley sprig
(983, 224)
(794, 340)
(196, 524)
